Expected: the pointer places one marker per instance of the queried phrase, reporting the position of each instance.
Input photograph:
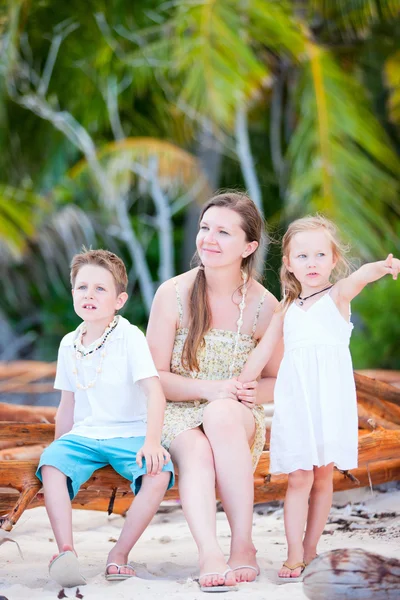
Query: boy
(106, 374)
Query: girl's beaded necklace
(80, 352)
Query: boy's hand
(248, 395)
(155, 456)
(392, 266)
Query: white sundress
(315, 419)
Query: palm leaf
(341, 160)
(355, 15)
(216, 51)
(392, 72)
(176, 168)
(19, 216)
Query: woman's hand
(248, 394)
(224, 388)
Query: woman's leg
(295, 515)
(230, 427)
(318, 510)
(192, 454)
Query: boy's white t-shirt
(115, 406)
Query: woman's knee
(191, 449)
(300, 479)
(223, 411)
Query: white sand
(165, 556)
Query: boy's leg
(295, 515)
(64, 466)
(149, 492)
(140, 513)
(58, 506)
(318, 510)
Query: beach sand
(165, 556)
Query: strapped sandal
(118, 576)
(255, 569)
(299, 565)
(64, 569)
(217, 588)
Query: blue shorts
(78, 457)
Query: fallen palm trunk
(26, 414)
(105, 487)
(25, 452)
(351, 574)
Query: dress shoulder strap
(258, 312)
(179, 302)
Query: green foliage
(319, 81)
(376, 337)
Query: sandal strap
(294, 567)
(247, 567)
(119, 567)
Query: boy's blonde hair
(291, 287)
(101, 258)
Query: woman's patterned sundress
(215, 359)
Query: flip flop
(118, 576)
(256, 569)
(64, 569)
(217, 588)
(297, 579)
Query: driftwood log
(108, 490)
(352, 574)
(20, 445)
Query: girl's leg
(230, 427)
(140, 513)
(192, 454)
(318, 510)
(295, 515)
(58, 506)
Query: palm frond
(392, 73)
(216, 50)
(355, 15)
(341, 160)
(176, 168)
(19, 216)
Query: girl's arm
(351, 286)
(263, 352)
(65, 414)
(160, 335)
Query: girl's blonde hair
(291, 287)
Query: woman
(203, 325)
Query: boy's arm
(264, 350)
(65, 414)
(156, 456)
(352, 285)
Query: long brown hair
(199, 308)
(291, 287)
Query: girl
(315, 421)
(203, 326)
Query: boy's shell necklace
(80, 352)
